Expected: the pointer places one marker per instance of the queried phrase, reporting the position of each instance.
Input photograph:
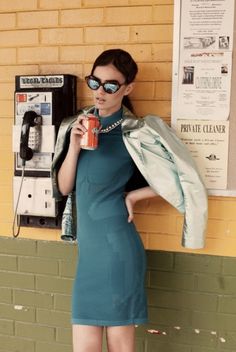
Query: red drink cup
(89, 139)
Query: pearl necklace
(111, 127)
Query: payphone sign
(40, 102)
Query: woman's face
(106, 103)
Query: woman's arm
(67, 172)
(135, 196)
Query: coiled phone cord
(16, 234)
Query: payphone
(41, 102)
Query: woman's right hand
(77, 132)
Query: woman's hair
(124, 63)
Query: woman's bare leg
(121, 338)
(87, 338)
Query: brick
(217, 228)
(203, 349)
(5, 295)
(107, 35)
(34, 331)
(68, 268)
(140, 52)
(162, 52)
(52, 347)
(62, 36)
(53, 284)
(162, 91)
(166, 347)
(18, 38)
(39, 54)
(10, 343)
(139, 345)
(8, 262)
(17, 246)
(143, 90)
(190, 337)
(182, 300)
(37, 19)
(78, 17)
(53, 318)
(169, 317)
(7, 21)
(83, 53)
(154, 223)
(160, 260)
(163, 14)
(230, 341)
(76, 70)
(229, 266)
(128, 15)
(222, 209)
(38, 265)
(7, 108)
(231, 231)
(100, 3)
(16, 280)
(160, 108)
(214, 321)
(63, 335)
(15, 312)
(154, 72)
(217, 283)
(33, 299)
(6, 124)
(171, 280)
(196, 263)
(6, 93)
(60, 250)
(59, 4)
(151, 34)
(227, 304)
(17, 5)
(8, 73)
(62, 302)
(152, 2)
(6, 327)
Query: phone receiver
(30, 119)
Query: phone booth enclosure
(52, 98)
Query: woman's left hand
(134, 196)
(130, 202)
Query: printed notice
(208, 143)
(204, 75)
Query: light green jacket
(165, 163)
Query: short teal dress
(109, 284)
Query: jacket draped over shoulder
(165, 163)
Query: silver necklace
(111, 127)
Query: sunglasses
(109, 87)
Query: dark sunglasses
(109, 87)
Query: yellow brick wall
(65, 36)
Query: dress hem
(94, 322)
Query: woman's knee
(120, 338)
(87, 338)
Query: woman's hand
(77, 132)
(130, 202)
(134, 196)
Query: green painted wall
(192, 299)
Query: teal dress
(109, 282)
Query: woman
(109, 284)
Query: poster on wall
(205, 59)
(208, 143)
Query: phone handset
(30, 119)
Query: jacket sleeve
(195, 199)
